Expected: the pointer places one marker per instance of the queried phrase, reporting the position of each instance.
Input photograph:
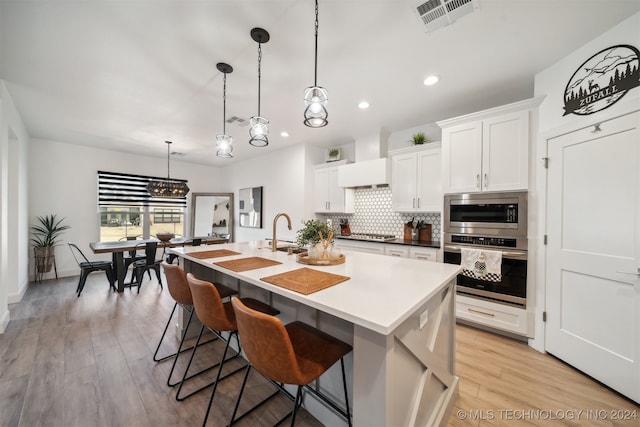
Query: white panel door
(593, 254)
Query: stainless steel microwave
(501, 214)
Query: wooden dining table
(118, 248)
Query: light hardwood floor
(67, 361)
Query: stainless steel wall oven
(491, 222)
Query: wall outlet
(424, 318)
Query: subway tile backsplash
(373, 214)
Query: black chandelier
(224, 147)
(259, 130)
(315, 97)
(167, 188)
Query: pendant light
(259, 130)
(167, 188)
(315, 97)
(224, 147)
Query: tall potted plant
(45, 237)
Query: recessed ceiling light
(363, 105)
(284, 133)
(431, 80)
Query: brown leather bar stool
(180, 292)
(295, 353)
(219, 316)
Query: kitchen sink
(294, 249)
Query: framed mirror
(250, 206)
(212, 215)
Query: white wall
(283, 176)
(551, 83)
(63, 181)
(14, 149)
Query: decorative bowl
(165, 237)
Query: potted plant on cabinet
(45, 237)
(419, 138)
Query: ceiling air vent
(438, 13)
(238, 120)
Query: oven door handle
(511, 254)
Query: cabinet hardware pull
(486, 180)
(478, 181)
(418, 202)
(481, 312)
(414, 202)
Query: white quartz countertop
(381, 293)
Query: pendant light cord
(259, 74)
(168, 155)
(315, 76)
(224, 105)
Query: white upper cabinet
(328, 196)
(487, 151)
(416, 179)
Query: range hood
(372, 167)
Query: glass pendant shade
(224, 146)
(259, 131)
(224, 143)
(315, 112)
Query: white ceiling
(128, 75)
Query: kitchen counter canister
(398, 313)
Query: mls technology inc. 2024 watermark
(548, 414)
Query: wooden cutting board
(244, 264)
(216, 253)
(305, 280)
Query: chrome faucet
(274, 242)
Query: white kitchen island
(398, 313)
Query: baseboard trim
(17, 297)
(4, 322)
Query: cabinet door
(403, 182)
(321, 193)
(462, 158)
(359, 246)
(429, 192)
(425, 254)
(335, 193)
(505, 152)
(397, 250)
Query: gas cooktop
(369, 236)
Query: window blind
(131, 190)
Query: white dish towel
(481, 264)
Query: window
(126, 210)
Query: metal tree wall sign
(602, 80)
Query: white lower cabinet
(389, 249)
(396, 250)
(499, 316)
(425, 254)
(360, 246)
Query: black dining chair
(87, 267)
(150, 262)
(131, 256)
